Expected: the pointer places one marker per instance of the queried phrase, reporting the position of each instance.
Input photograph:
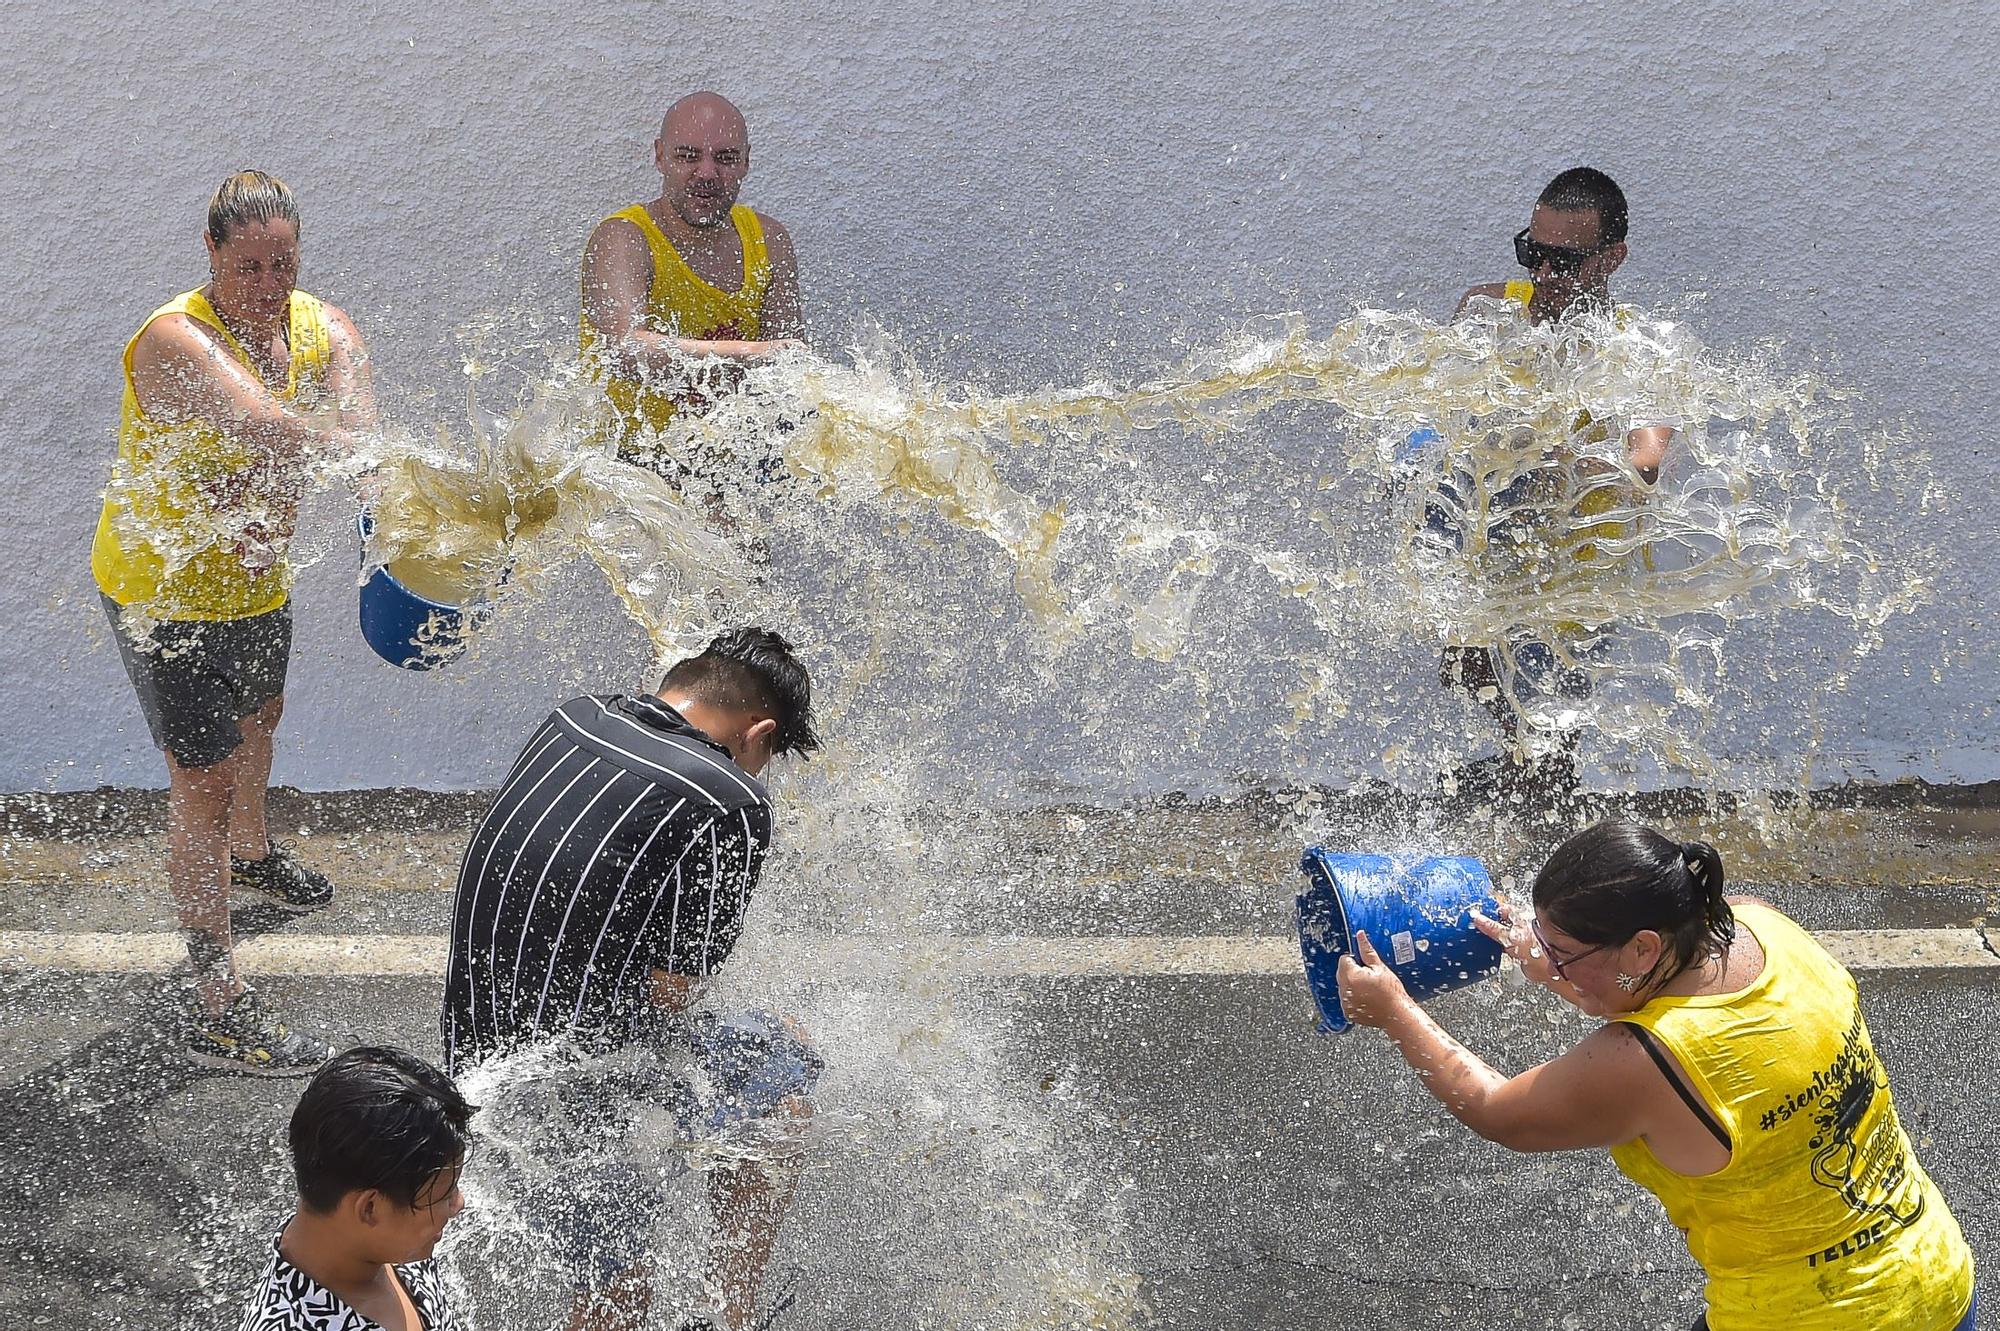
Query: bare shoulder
(1588, 1096)
(1489, 290)
(341, 327)
(1615, 1042)
(173, 336)
(615, 237)
(776, 237)
(1603, 1062)
(1621, 1062)
(1616, 1064)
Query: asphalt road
(1047, 1150)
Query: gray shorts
(197, 680)
(595, 1206)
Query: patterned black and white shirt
(624, 841)
(287, 1299)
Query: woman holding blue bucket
(1733, 1078)
(231, 391)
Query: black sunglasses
(1532, 254)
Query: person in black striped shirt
(607, 882)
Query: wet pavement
(1193, 1130)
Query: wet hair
(250, 196)
(1616, 878)
(1584, 189)
(753, 669)
(376, 1117)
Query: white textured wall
(1011, 187)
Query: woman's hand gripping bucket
(1419, 915)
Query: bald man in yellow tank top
(682, 292)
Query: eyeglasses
(1533, 254)
(1556, 961)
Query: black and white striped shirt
(623, 841)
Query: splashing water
(1251, 536)
(1524, 529)
(455, 520)
(920, 1127)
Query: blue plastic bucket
(409, 630)
(1415, 450)
(1418, 916)
(1444, 502)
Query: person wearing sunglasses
(1573, 243)
(1733, 1078)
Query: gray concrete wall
(1013, 189)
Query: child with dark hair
(378, 1141)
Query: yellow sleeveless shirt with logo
(157, 545)
(1596, 499)
(680, 303)
(1822, 1218)
(1537, 542)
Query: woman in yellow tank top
(229, 389)
(1733, 1078)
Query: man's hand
(739, 349)
(1370, 993)
(1646, 449)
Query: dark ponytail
(1704, 866)
(1614, 879)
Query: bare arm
(784, 314)
(182, 372)
(670, 991)
(617, 276)
(1585, 1098)
(1595, 1095)
(1646, 447)
(350, 380)
(1490, 290)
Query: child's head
(378, 1140)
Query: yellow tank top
(1822, 1218)
(1566, 558)
(681, 304)
(157, 545)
